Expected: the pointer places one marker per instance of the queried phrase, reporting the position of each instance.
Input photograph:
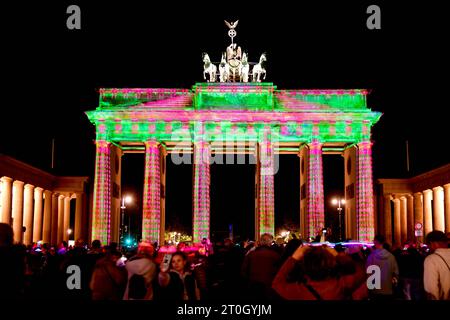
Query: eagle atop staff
(231, 25)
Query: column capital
(409, 195)
(427, 191)
(446, 186)
(438, 188)
(6, 179)
(396, 199)
(18, 183)
(364, 143)
(38, 189)
(29, 186)
(388, 197)
(417, 194)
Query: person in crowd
(62, 248)
(319, 279)
(290, 248)
(96, 247)
(388, 270)
(410, 263)
(141, 273)
(436, 277)
(12, 265)
(108, 280)
(176, 279)
(86, 262)
(260, 267)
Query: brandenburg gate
(248, 118)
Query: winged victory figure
(231, 25)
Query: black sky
(53, 75)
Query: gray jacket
(388, 269)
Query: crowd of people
(262, 270)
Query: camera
(165, 264)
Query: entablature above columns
(221, 131)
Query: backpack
(137, 289)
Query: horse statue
(258, 69)
(245, 68)
(224, 69)
(209, 68)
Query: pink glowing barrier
(190, 251)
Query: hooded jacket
(388, 269)
(144, 267)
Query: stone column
(6, 200)
(17, 210)
(397, 222)
(162, 166)
(418, 209)
(387, 218)
(37, 223)
(315, 215)
(54, 227)
(403, 220)
(47, 223)
(438, 209)
(101, 215)
(351, 195)
(151, 215)
(304, 165)
(78, 216)
(365, 214)
(428, 216)
(266, 165)
(28, 205)
(60, 234)
(447, 206)
(201, 199)
(410, 217)
(66, 225)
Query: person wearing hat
(436, 276)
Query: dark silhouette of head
(6, 235)
(96, 244)
(318, 263)
(265, 240)
(437, 240)
(378, 241)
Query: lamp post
(125, 199)
(339, 202)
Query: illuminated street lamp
(339, 202)
(128, 200)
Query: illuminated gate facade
(212, 119)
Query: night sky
(53, 75)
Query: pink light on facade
(151, 216)
(365, 204)
(101, 220)
(266, 186)
(315, 217)
(348, 128)
(332, 128)
(201, 199)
